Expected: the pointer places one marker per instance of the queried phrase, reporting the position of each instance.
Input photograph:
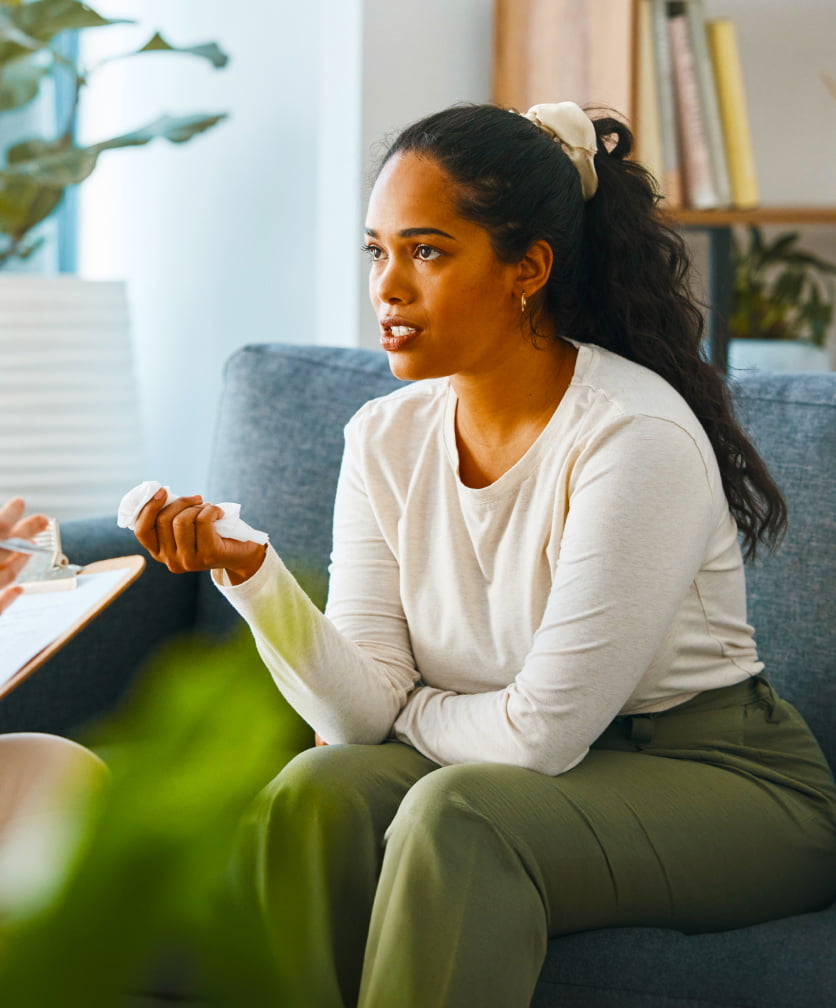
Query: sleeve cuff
(264, 578)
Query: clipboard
(121, 572)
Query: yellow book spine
(731, 97)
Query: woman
(536, 600)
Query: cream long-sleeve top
(600, 575)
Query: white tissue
(231, 526)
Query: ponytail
(634, 299)
(620, 273)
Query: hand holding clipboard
(43, 621)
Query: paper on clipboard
(36, 625)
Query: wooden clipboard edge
(132, 566)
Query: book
(612, 33)
(565, 50)
(695, 11)
(731, 95)
(671, 179)
(647, 129)
(700, 190)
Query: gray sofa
(277, 447)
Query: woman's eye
(374, 252)
(427, 252)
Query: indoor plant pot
(782, 306)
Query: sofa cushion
(792, 419)
(278, 446)
(784, 964)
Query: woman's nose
(390, 283)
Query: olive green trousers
(390, 882)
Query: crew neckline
(512, 478)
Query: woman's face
(445, 303)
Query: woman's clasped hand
(181, 534)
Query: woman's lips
(396, 337)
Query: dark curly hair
(620, 273)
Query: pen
(22, 546)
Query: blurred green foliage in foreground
(149, 897)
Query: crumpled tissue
(231, 526)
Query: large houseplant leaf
(209, 51)
(28, 27)
(20, 80)
(39, 170)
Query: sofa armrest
(87, 677)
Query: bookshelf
(712, 219)
(596, 53)
(718, 224)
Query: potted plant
(782, 305)
(66, 373)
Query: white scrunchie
(572, 128)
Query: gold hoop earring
(523, 303)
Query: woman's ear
(535, 267)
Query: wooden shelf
(760, 215)
(718, 224)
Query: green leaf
(52, 164)
(24, 203)
(176, 129)
(13, 42)
(813, 261)
(788, 285)
(779, 250)
(29, 150)
(20, 80)
(190, 750)
(44, 19)
(776, 289)
(30, 27)
(208, 51)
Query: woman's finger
(145, 526)
(169, 548)
(185, 532)
(209, 545)
(214, 550)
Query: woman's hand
(181, 534)
(13, 524)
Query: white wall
(217, 238)
(419, 56)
